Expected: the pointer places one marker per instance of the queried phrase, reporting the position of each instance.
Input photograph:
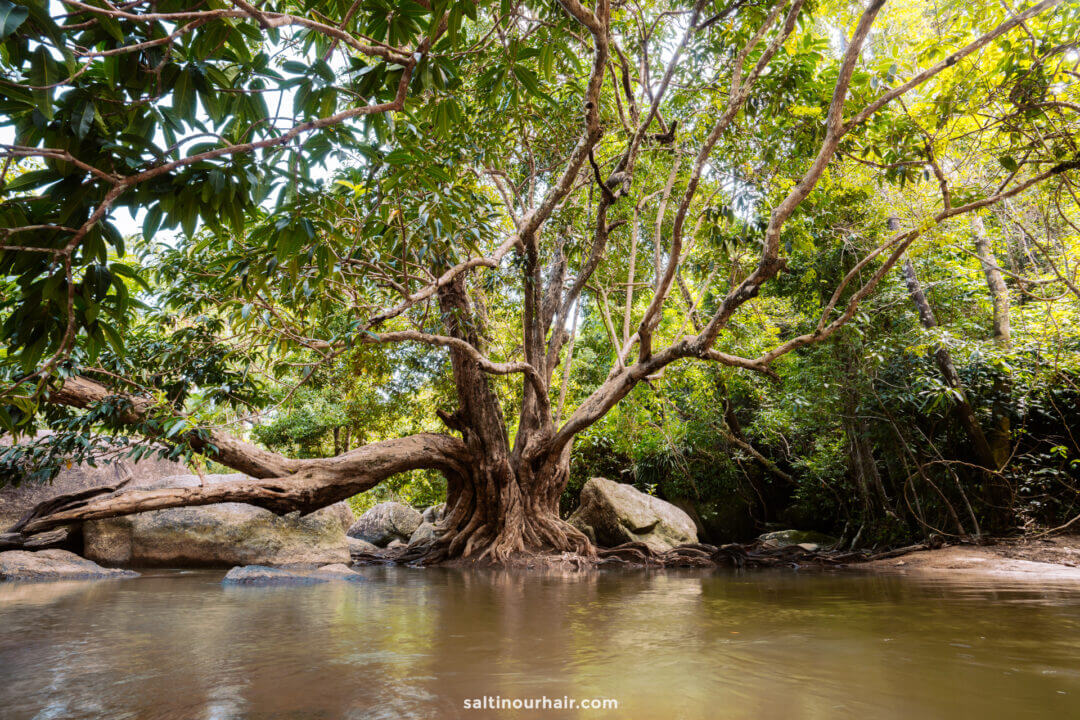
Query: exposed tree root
(749, 555)
(640, 555)
(540, 537)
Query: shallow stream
(419, 643)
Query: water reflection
(416, 644)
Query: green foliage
(304, 431)
(182, 126)
(418, 488)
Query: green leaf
(527, 77)
(294, 67)
(399, 156)
(44, 72)
(128, 272)
(11, 17)
(32, 179)
(184, 95)
(151, 222)
(114, 338)
(86, 119)
(1009, 163)
(175, 427)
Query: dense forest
(798, 263)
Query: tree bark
(504, 502)
(999, 292)
(1000, 438)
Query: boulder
(45, 565)
(614, 513)
(263, 575)
(359, 547)
(218, 535)
(386, 522)
(806, 539)
(434, 513)
(424, 533)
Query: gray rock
(424, 533)
(434, 513)
(262, 575)
(359, 547)
(218, 535)
(397, 543)
(339, 571)
(802, 538)
(45, 565)
(385, 523)
(614, 513)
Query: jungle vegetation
(811, 262)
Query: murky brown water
(417, 644)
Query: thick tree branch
(278, 483)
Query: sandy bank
(1051, 559)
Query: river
(420, 643)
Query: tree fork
(504, 503)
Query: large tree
(494, 166)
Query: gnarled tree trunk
(504, 501)
(497, 510)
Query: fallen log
(57, 538)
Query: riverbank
(1047, 559)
